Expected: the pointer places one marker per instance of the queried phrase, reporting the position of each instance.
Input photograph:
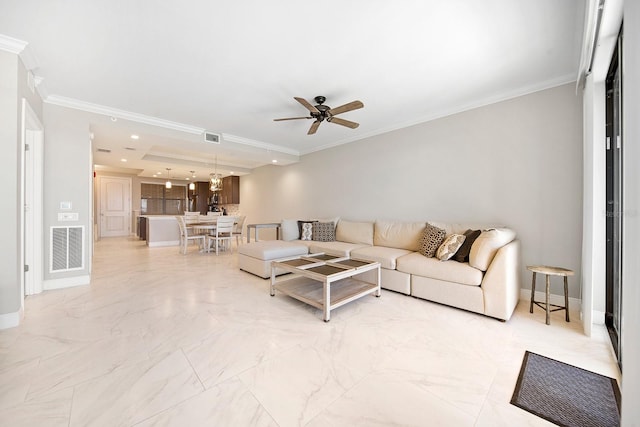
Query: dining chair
(223, 232)
(238, 227)
(186, 236)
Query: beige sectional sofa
(488, 284)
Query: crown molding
(12, 45)
(121, 114)
(259, 144)
(154, 121)
(28, 58)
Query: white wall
(517, 163)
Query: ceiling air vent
(212, 138)
(103, 150)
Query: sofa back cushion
(400, 235)
(487, 244)
(355, 232)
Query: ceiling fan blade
(313, 128)
(306, 105)
(292, 118)
(346, 107)
(343, 122)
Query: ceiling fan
(322, 112)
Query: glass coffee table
(325, 281)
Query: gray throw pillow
(324, 232)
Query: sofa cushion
(431, 240)
(402, 235)
(273, 249)
(487, 244)
(334, 248)
(323, 232)
(385, 256)
(289, 230)
(355, 232)
(450, 246)
(450, 271)
(463, 253)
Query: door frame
(614, 217)
(31, 197)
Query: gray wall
(10, 175)
(516, 163)
(13, 88)
(68, 177)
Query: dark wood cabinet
(230, 194)
(201, 197)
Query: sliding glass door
(614, 206)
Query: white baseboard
(67, 282)
(11, 320)
(575, 304)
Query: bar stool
(550, 271)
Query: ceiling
(170, 70)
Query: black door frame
(614, 199)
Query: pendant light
(192, 185)
(216, 182)
(168, 183)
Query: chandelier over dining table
(216, 178)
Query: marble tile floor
(163, 339)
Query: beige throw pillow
(450, 246)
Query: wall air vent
(103, 150)
(66, 248)
(212, 138)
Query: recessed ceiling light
(134, 136)
(114, 119)
(274, 161)
(123, 160)
(231, 172)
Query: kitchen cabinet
(202, 194)
(230, 194)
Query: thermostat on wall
(65, 205)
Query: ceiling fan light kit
(321, 112)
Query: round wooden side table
(550, 271)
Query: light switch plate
(68, 216)
(65, 206)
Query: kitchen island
(161, 230)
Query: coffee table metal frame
(324, 281)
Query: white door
(115, 206)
